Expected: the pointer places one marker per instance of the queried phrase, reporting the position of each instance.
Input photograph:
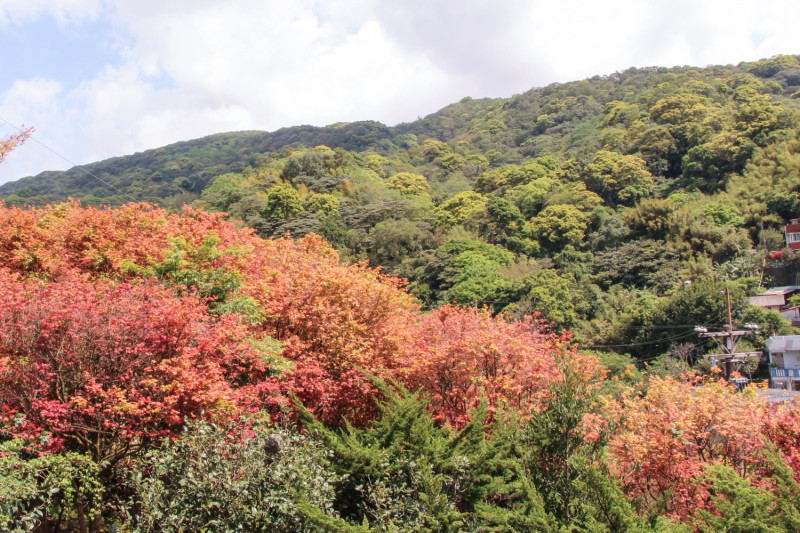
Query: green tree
(463, 209)
(549, 293)
(404, 472)
(478, 280)
(214, 479)
(619, 179)
(738, 505)
(226, 190)
(650, 217)
(283, 201)
(559, 225)
(410, 184)
(322, 204)
(43, 492)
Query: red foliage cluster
(674, 431)
(101, 351)
(460, 356)
(99, 346)
(106, 367)
(334, 321)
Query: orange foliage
(334, 321)
(674, 431)
(460, 356)
(11, 142)
(331, 318)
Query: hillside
(175, 372)
(582, 201)
(180, 168)
(480, 321)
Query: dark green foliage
(511, 500)
(743, 507)
(213, 480)
(638, 263)
(310, 164)
(404, 472)
(56, 492)
(555, 446)
(601, 506)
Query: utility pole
(727, 341)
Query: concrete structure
(784, 362)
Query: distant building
(784, 362)
(792, 314)
(792, 230)
(775, 299)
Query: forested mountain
(477, 322)
(582, 201)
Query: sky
(105, 78)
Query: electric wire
(71, 162)
(645, 343)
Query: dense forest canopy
(483, 320)
(581, 201)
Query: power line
(71, 162)
(645, 343)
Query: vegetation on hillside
(172, 372)
(474, 322)
(580, 201)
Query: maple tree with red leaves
(334, 321)
(677, 429)
(460, 356)
(106, 368)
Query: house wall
(793, 236)
(791, 359)
(771, 302)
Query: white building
(784, 362)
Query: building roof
(782, 343)
(782, 290)
(768, 300)
(778, 395)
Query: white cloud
(64, 11)
(284, 60)
(35, 103)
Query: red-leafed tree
(459, 356)
(332, 319)
(677, 429)
(782, 427)
(105, 368)
(336, 321)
